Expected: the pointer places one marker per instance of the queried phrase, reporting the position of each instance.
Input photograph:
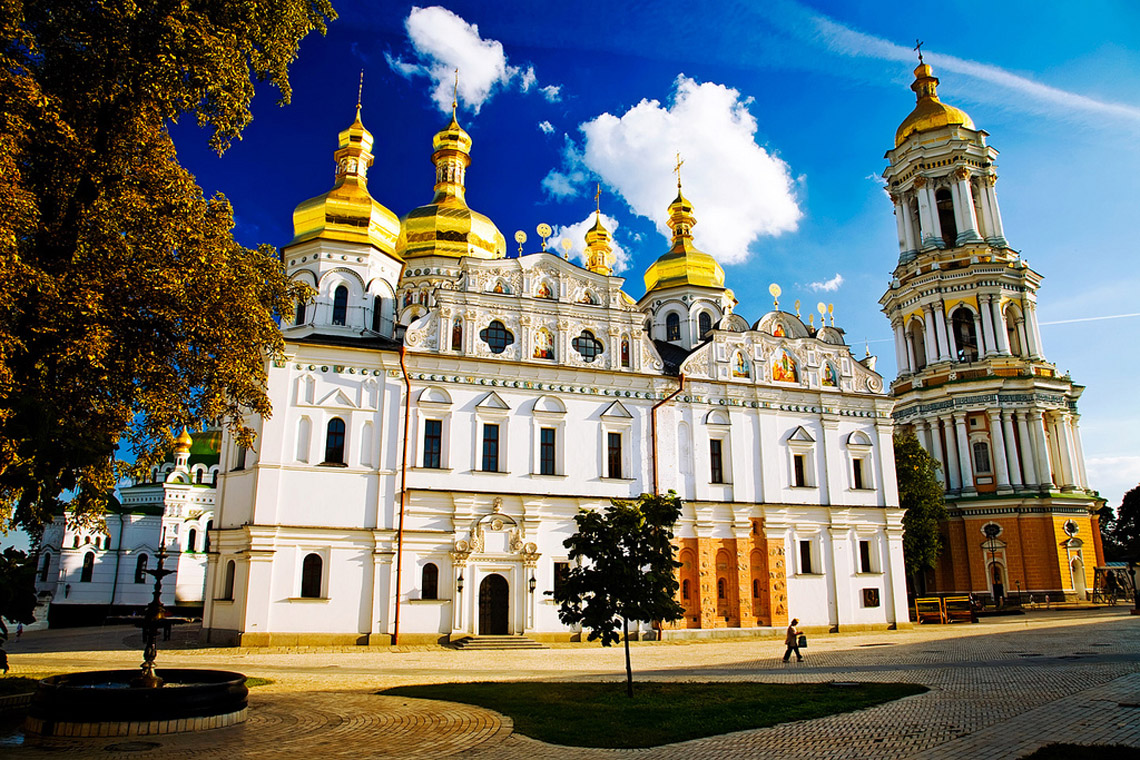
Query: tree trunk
(628, 667)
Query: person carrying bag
(794, 640)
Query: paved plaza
(998, 689)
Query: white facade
(437, 429)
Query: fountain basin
(103, 703)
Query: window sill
(430, 469)
(429, 601)
(802, 488)
(308, 599)
(617, 480)
(864, 489)
(332, 464)
(809, 575)
(222, 601)
(540, 476)
(869, 574)
(489, 472)
(720, 482)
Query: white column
(979, 334)
(997, 436)
(1031, 326)
(910, 351)
(1028, 455)
(935, 427)
(987, 217)
(1001, 329)
(1023, 335)
(900, 225)
(927, 216)
(951, 454)
(995, 210)
(987, 325)
(929, 338)
(922, 432)
(1079, 451)
(1040, 448)
(945, 349)
(900, 348)
(959, 222)
(1065, 444)
(964, 455)
(969, 217)
(1011, 450)
(911, 238)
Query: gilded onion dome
(183, 442)
(683, 264)
(599, 253)
(347, 212)
(447, 226)
(930, 112)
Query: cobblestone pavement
(999, 689)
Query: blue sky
(782, 112)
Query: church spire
(599, 253)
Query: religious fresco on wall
(779, 331)
(740, 366)
(829, 377)
(784, 369)
(544, 291)
(543, 344)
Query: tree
(17, 594)
(625, 571)
(921, 497)
(1123, 530)
(127, 310)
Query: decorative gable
(616, 410)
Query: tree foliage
(1121, 531)
(17, 594)
(126, 307)
(625, 570)
(921, 496)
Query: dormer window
(340, 305)
(673, 327)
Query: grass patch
(601, 715)
(253, 682)
(1079, 751)
(17, 685)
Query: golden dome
(599, 255)
(347, 212)
(683, 264)
(447, 226)
(930, 112)
(183, 442)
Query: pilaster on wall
(777, 582)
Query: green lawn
(601, 715)
(1083, 751)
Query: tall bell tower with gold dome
(685, 296)
(344, 246)
(973, 381)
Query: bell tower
(973, 381)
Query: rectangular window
(805, 557)
(546, 451)
(857, 467)
(613, 451)
(561, 573)
(865, 557)
(716, 462)
(800, 470)
(490, 448)
(433, 443)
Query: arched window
(625, 352)
(918, 344)
(198, 476)
(377, 313)
(587, 345)
(755, 588)
(192, 541)
(704, 322)
(946, 217)
(1012, 318)
(340, 305)
(206, 540)
(965, 334)
(721, 591)
(88, 567)
(334, 442)
(140, 568)
(685, 589)
(299, 317)
(673, 327)
(44, 567)
(75, 542)
(228, 587)
(312, 568)
(982, 458)
(457, 334)
(429, 585)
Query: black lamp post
(992, 530)
(1135, 591)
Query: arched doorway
(1078, 569)
(494, 606)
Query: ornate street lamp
(459, 582)
(992, 530)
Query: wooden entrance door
(494, 606)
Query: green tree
(17, 594)
(1123, 531)
(921, 497)
(127, 310)
(625, 570)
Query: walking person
(793, 642)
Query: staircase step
(488, 643)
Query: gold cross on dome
(455, 93)
(598, 198)
(677, 170)
(918, 48)
(360, 89)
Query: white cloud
(443, 42)
(740, 191)
(576, 234)
(546, 127)
(1113, 476)
(828, 285)
(1031, 95)
(552, 92)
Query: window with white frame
(433, 414)
(616, 425)
(868, 558)
(491, 417)
(801, 458)
(807, 556)
(312, 576)
(859, 453)
(718, 427)
(548, 425)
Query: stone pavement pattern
(999, 689)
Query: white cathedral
(443, 411)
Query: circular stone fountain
(133, 703)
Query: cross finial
(918, 48)
(455, 93)
(598, 199)
(360, 89)
(677, 170)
